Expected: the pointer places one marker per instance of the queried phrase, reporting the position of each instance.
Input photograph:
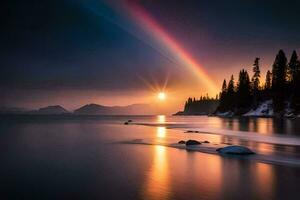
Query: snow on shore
(265, 109)
(225, 114)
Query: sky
(117, 52)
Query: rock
(236, 150)
(188, 131)
(192, 142)
(206, 141)
(181, 142)
(128, 121)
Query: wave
(243, 135)
(211, 149)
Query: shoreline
(275, 139)
(240, 116)
(209, 149)
(273, 157)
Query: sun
(161, 96)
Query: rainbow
(148, 24)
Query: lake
(98, 157)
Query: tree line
(203, 105)
(282, 86)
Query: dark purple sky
(72, 52)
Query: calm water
(89, 158)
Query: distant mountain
(134, 109)
(89, 109)
(50, 110)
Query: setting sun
(161, 96)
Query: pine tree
(230, 96)
(224, 86)
(268, 83)
(256, 75)
(185, 105)
(243, 91)
(279, 81)
(223, 95)
(293, 67)
(230, 88)
(295, 100)
(255, 81)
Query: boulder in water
(191, 131)
(192, 142)
(236, 150)
(205, 141)
(181, 142)
(127, 122)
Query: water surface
(89, 158)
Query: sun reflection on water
(161, 119)
(161, 132)
(157, 183)
(264, 176)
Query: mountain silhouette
(57, 109)
(50, 110)
(95, 109)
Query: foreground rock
(127, 122)
(236, 150)
(189, 131)
(192, 142)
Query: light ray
(149, 25)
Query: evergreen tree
(293, 75)
(230, 96)
(295, 100)
(256, 75)
(255, 81)
(224, 87)
(293, 67)
(223, 95)
(243, 91)
(230, 88)
(279, 81)
(268, 83)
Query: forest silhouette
(282, 86)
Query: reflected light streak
(161, 132)
(164, 40)
(157, 182)
(161, 119)
(265, 179)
